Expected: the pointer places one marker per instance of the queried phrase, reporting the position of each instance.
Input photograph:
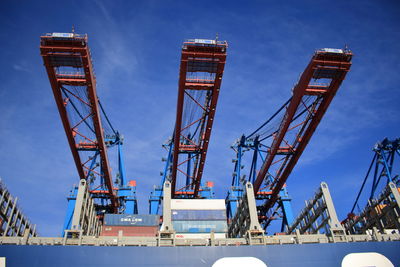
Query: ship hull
(272, 255)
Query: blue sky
(136, 50)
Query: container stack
(198, 218)
(130, 225)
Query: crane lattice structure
(384, 165)
(279, 142)
(200, 76)
(382, 209)
(90, 134)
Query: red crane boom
(327, 66)
(69, 67)
(200, 77)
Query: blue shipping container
(131, 220)
(200, 226)
(198, 215)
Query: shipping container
(199, 236)
(200, 226)
(199, 215)
(129, 220)
(198, 204)
(130, 230)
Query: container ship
(186, 225)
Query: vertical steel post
(167, 215)
(79, 206)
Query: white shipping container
(198, 204)
(200, 226)
(199, 236)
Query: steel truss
(319, 216)
(89, 132)
(284, 210)
(200, 77)
(279, 142)
(245, 221)
(381, 211)
(69, 67)
(384, 172)
(329, 66)
(381, 214)
(12, 221)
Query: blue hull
(273, 255)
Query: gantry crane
(90, 134)
(382, 209)
(383, 163)
(200, 76)
(281, 140)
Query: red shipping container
(130, 230)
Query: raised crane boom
(200, 77)
(69, 67)
(320, 81)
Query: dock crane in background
(279, 142)
(382, 209)
(90, 134)
(383, 163)
(200, 76)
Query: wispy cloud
(116, 56)
(21, 67)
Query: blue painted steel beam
(157, 194)
(232, 200)
(382, 162)
(127, 196)
(121, 163)
(70, 210)
(286, 206)
(252, 142)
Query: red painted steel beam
(209, 124)
(340, 64)
(63, 113)
(214, 55)
(72, 51)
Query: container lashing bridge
(90, 134)
(382, 209)
(280, 141)
(200, 76)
